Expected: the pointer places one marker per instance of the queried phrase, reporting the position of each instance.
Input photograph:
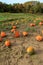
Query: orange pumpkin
(3, 34)
(30, 50)
(0, 39)
(14, 27)
(17, 34)
(41, 23)
(7, 43)
(25, 33)
(39, 38)
(32, 24)
(12, 30)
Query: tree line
(27, 7)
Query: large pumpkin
(30, 50)
(39, 38)
(3, 34)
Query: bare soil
(16, 54)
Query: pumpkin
(17, 34)
(7, 43)
(3, 34)
(30, 50)
(25, 33)
(41, 23)
(12, 30)
(32, 24)
(39, 38)
(0, 39)
(14, 27)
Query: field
(17, 54)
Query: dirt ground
(16, 54)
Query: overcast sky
(17, 1)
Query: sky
(17, 1)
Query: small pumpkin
(39, 38)
(14, 27)
(25, 33)
(0, 39)
(41, 23)
(30, 50)
(12, 30)
(3, 34)
(7, 43)
(17, 34)
(32, 24)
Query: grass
(37, 22)
(4, 16)
(21, 18)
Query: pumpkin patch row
(30, 50)
(25, 33)
(33, 24)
